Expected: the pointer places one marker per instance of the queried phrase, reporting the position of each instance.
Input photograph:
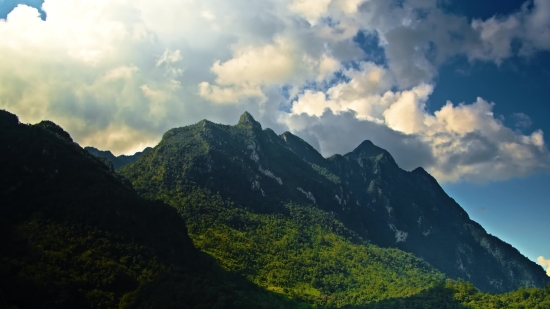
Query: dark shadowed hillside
(72, 235)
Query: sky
(457, 87)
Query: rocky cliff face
(364, 189)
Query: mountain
(259, 177)
(119, 161)
(74, 235)
(288, 247)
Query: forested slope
(365, 190)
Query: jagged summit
(247, 120)
(367, 149)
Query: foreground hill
(271, 186)
(73, 235)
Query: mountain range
(117, 161)
(219, 216)
(364, 189)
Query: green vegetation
(463, 295)
(303, 253)
(306, 254)
(323, 171)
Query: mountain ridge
(364, 189)
(117, 161)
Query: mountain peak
(367, 149)
(247, 120)
(420, 170)
(8, 119)
(56, 129)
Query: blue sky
(7, 6)
(118, 74)
(516, 210)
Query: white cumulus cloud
(466, 141)
(544, 263)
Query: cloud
(418, 36)
(521, 120)
(465, 141)
(544, 263)
(313, 10)
(310, 9)
(117, 74)
(207, 15)
(530, 27)
(109, 69)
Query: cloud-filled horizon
(118, 74)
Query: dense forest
(76, 234)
